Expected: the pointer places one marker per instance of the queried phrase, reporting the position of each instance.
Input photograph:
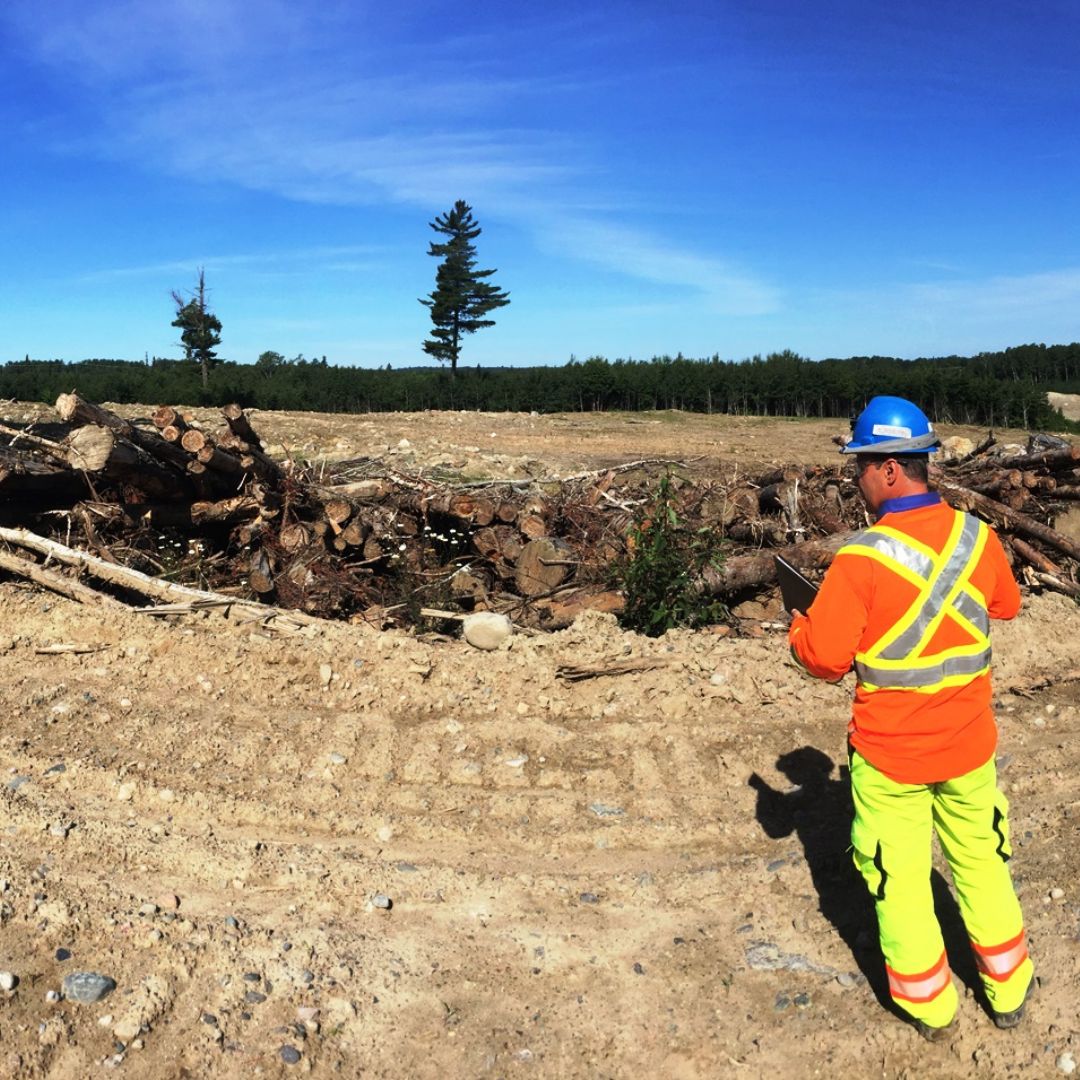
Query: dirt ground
(634, 875)
(1069, 404)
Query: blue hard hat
(892, 425)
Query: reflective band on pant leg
(999, 961)
(891, 837)
(971, 818)
(922, 987)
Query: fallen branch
(577, 672)
(1052, 581)
(1006, 519)
(46, 446)
(181, 597)
(57, 650)
(51, 580)
(1065, 458)
(1043, 682)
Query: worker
(907, 603)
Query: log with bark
(741, 572)
(103, 450)
(1007, 519)
(240, 426)
(79, 413)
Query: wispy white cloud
(303, 153)
(124, 41)
(308, 107)
(1003, 295)
(990, 299)
(257, 96)
(344, 257)
(722, 286)
(912, 319)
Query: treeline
(1005, 389)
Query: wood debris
(175, 518)
(577, 672)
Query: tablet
(797, 593)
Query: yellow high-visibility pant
(891, 841)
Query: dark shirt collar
(908, 502)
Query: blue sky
(832, 177)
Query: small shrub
(665, 557)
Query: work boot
(1006, 1020)
(935, 1034)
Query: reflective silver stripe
(895, 549)
(920, 987)
(1001, 964)
(941, 585)
(922, 566)
(973, 611)
(913, 678)
(916, 443)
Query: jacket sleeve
(1004, 601)
(825, 639)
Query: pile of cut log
(165, 509)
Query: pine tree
(200, 328)
(462, 297)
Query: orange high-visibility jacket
(907, 602)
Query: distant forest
(1001, 389)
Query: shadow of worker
(819, 812)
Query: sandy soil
(477, 445)
(642, 874)
(1069, 404)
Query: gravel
(766, 956)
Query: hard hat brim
(920, 444)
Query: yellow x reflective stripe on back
(896, 660)
(910, 634)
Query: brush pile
(163, 508)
